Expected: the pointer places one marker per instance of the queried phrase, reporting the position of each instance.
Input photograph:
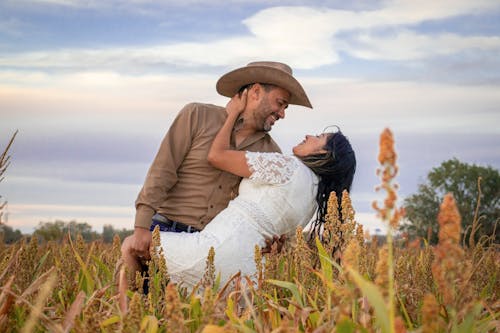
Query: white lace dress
(278, 197)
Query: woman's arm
(221, 155)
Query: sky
(92, 86)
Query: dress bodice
(278, 197)
(280, 193)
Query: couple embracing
(219, 180)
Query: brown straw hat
(269, 72)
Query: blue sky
(92, 87)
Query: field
(343, 281)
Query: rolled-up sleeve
(162, 174)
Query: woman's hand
(221, 155)
(238, 103)
(274, 245)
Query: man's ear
(255, 92)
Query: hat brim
(229, 84)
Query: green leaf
(217, 281)
(110, 321)
(40, 263)
(314, 319)
(86, 282)
(103, 268)
(149, 324)
(196, 312)
(375, 298)
(405, 314)
(325, 260)
(467, 325)
(61, 298)
(290, 286)
(346, 326)
(229, 310)
(249, 323)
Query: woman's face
(312, 145)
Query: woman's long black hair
(335, 169)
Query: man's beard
(266, 126)
(265, 108)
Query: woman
(278, 193)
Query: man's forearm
(143, 217)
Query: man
(182, 192)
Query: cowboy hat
(269, 72)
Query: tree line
(58, 230)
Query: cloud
(304, 37)
(135, 104)
(145, 3)
(75, 3)
(12, 27)
(28, 189)
(367, 107)
(408, 45)
(406, 12)
(43, 106)
(408, 8)
(48, 107)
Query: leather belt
(165, 224)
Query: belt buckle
(160, 218)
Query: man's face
(271, 107)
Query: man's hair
(267, 87)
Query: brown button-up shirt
(180, 183)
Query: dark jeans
(165, 224)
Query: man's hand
(141, 242)
(274, 245)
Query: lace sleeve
(271, 168)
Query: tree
(8, 235)
(461, 179)
(58, 229)
(108, 232)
